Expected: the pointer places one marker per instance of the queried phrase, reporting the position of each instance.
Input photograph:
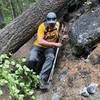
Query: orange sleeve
(41, 30)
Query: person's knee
(31, 64)
(33, 58)
(50, 56)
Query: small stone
(84, 92)
(55, 97)
(63, 75)
(92, 88)
(98, 29)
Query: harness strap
(47, 28)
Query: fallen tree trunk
(20, 30)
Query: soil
(80, 73)
(71, 75)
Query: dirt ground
(79, 74)
(71, 75)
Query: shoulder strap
(46, 27)
(57, 26)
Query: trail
(79, 72)
(71, 74)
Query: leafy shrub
(18, 78)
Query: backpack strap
(47, 28)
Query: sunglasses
(51, 19)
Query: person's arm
(42, 41)
(46, 43)
(64, 29)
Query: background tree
(10, 9)
(20, 30)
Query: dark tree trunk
(21, 29)
(1, 15)
(19, 5)
(14, 13)
(2, 24)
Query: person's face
(51, 25)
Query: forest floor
(71, 75)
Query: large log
(20, 29)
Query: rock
(92, 88)
(94, 57)
(85, 32)
(63, 75)
(55, 96)
(84, 92)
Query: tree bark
(21, 29)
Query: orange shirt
(47, 36)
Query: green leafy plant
(18, 78)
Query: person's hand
(65, 36)
(58, 45)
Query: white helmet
(51, 17)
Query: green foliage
(10, 9)
(2, 24)
(18, 78)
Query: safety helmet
(51, 17)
